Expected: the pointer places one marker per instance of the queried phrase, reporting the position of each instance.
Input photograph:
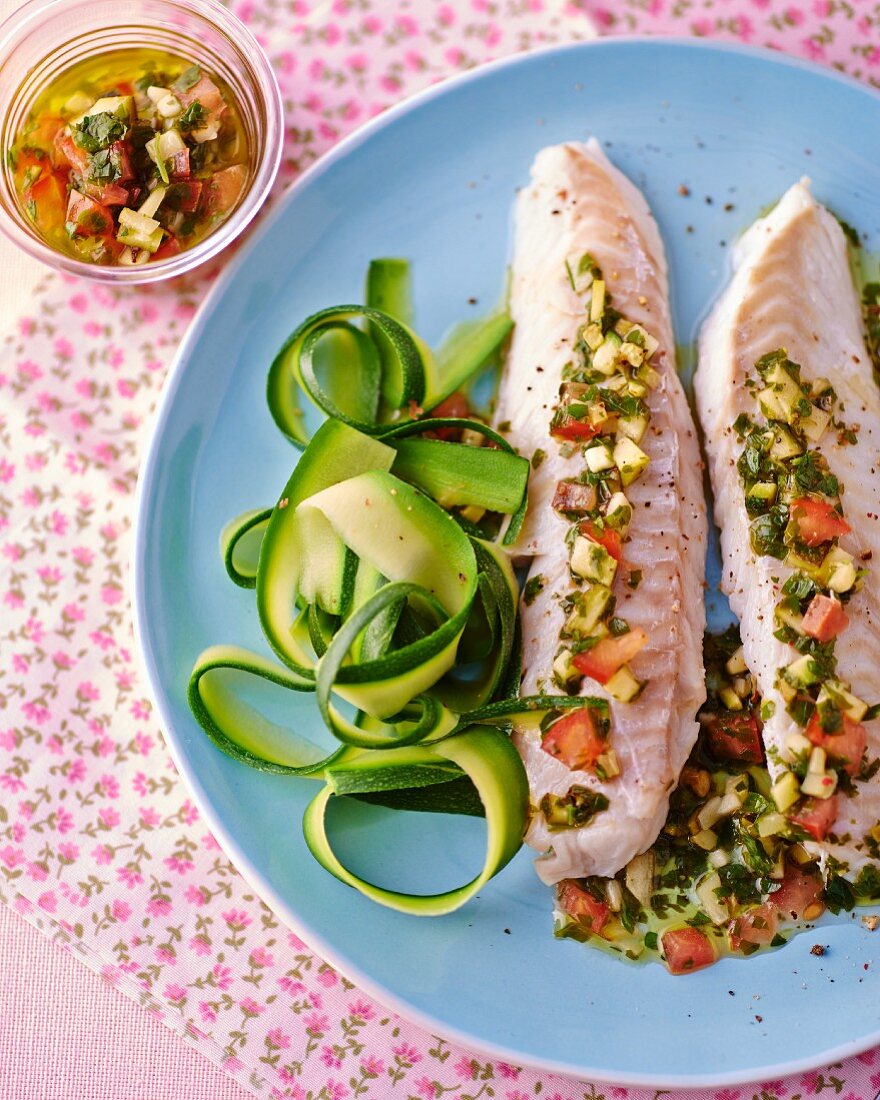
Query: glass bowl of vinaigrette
(138, 137)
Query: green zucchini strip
(493, 765)
(240, 543)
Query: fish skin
(792, 287)
(601, 212)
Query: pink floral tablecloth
(100, 844)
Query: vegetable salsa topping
(130, 158)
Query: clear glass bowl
(42, 40)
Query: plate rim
(146, 482)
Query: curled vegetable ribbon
(400, 617)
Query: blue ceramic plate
(434, 181)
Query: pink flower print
(139, 783)
(102, 855)
(76, 773)
(174, 992)
(72, 613)
(207, 1012)
(78, 303)
(189, 813)
(336, 1090)
(115, 356)
(102, 640)
(372, 1066)
(777, 1088)
(315, 999)
(36, 872)
(164, 956)
(466, 1067)
(362, 1009)
(330, 1059)
(121, 910)
(261, 957)
(814, 50)
(199, 946)
(316, 1025)
(109, 817)
(407, 25)
(158, 907)
(26, 326)
(82, 555)
(873, 55)
(232, 1064)
(744, 27)
(357, 62)
(250, 1007)
(63, 820)
(810, 1081)
(702, 27)
(129, 876)
(63, 348)
(8, 740)
(316, 69)
(12, 551)
(143, 742)
(289, 986)
(13, 599)
(149, 816)
(867, 1057)
(277, 1039)
(35, 461)
(178, 865)
(794, 16)
(516, 1095)
(12, 857)
(446, 15)
(62, 660)
(427, 1088)
(87, 692)
(328, 978)
(505, 1070)
(194, 895)
(35, 713)
(21, 664)
(125, 388)
(48, 901)
(68, 850)
(30, 370)
(110, 786)
(49, 574)
(7, 471)
(331, 34)
(34, 630)
(237, 919)
(140, 709)
(222, 977)
(406, 1053)
(493, 35)
(11, 783)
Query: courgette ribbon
(376, 598)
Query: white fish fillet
(792, 288)
(578, 202)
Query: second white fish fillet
(578, 202)
(792, 289)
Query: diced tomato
(456, 405)
(567, 427)
(209, 97)
(575, 740)
(734, 736)
(816, 816)
(608, 537)
(844, 747)
(110, 194)
(817, 521)
(797, 893)
(30, 164)
(91, 218)
(42, 136)
(604, 659)
(184, 196)
(825, 618)
(225, 188)
(169, 247)
(686, 950)
(46, 201)
(67, 154)
(120, 157)
(179, 166)
(574, 496)
(757, 925)
(580, 904)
